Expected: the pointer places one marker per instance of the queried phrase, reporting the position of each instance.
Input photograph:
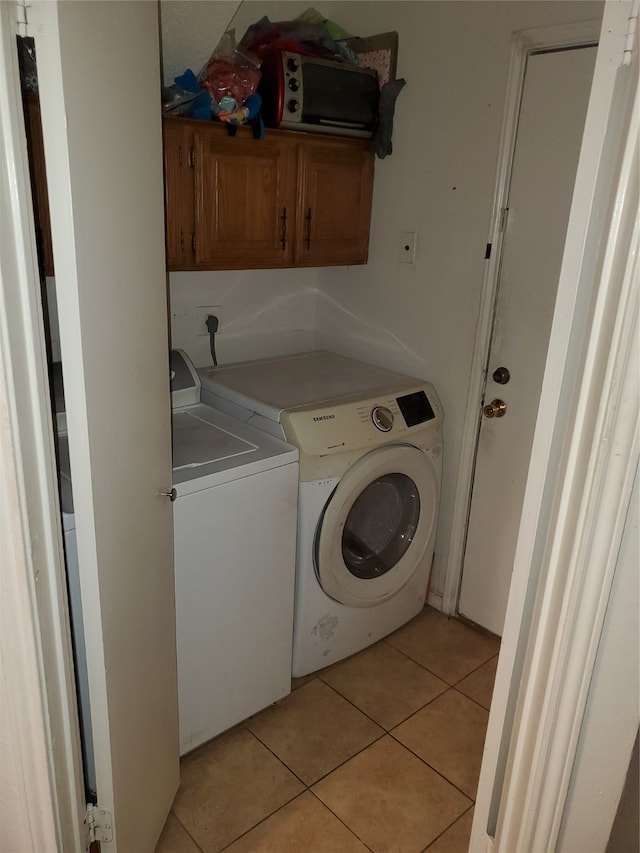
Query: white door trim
(584, 459)
(524, 43)
(35, 634)
(582, 553)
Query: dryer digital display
(416, 408)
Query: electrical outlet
(408, 247)
(200, 318)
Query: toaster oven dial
(293, 84)
(293, 106)
(292, 64)
(382, 418)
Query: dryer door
(377, 526)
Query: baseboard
(434, 599)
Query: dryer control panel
(347, 425)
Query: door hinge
(504, 215)
(632, 33)
(99, 824)
(192, 157)
(180, 155)
(193, 243)
(22, 19)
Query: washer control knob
(382, 418)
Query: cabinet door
(244, 200)
(335, 185)
(178, 195)
(38, 182)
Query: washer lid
(198, 442)
(210, 448)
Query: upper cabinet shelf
(289, 200)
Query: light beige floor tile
(479, 685)
(175, 838)
(302, 826)
(313, 730)
(385, 684)
(449, 735)
(390, 799)
(447, 647)
(228, 786)
(456, 838)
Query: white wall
(261, 313)
(190, 32)
(438, 182)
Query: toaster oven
(324, 96)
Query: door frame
(524, 43)
(579, 490)
(35, 636)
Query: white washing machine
(370, 444)
(234, 542)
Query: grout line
(480, 665)
(185, 829)
(471, 699)
(353, 705)
(421, 665)
(262, 820)
(346, 825)
(383, 732)
(347, 760)
(440, 677)
(431, 767)
(276, 756)
(434, 840)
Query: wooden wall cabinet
(288, 200)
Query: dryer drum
(381, 525)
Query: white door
(553, 109)
(99, 79)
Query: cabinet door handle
(308, 220)
(283, 239)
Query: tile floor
(380, 752)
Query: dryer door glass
(381, 525)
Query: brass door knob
(495, 409)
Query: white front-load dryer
(370, 445)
